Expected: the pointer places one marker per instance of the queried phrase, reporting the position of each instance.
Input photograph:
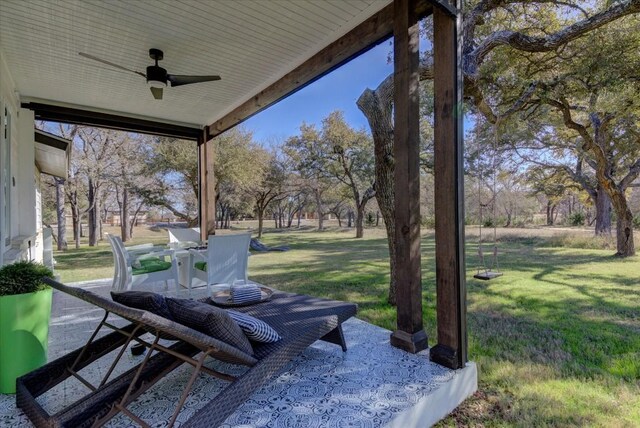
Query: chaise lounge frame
(300, 320)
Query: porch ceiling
(251, 44)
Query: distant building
(114, 218)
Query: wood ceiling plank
(273, 12)
(345, 8)
(249, 49)
(371, 32)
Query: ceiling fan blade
(178, 80)
(157, 93)
(95, 58)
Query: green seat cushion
(201, 266)
(152, 264)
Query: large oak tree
(488, 26)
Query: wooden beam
(112, 121)
(410, 334)
(446, 7)
(451, 350)
(51, 140)
(206, 187)
(365, 36)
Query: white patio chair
(224, 261)
(183, 238)
(152, 265)
(132, 252)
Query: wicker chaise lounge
(300, 320)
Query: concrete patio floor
(371, 385)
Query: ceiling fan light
(156, 83)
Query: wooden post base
(445, 356)
(412, 343)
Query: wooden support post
(410, 334)
(451, 350)
(207, 192)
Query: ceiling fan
(157, 77)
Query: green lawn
(89, 263)
(556, 339)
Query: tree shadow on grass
(552, 343)
(551, 335)
(596, 325)
(79, 259)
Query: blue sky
(338, 90)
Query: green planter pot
(24, 331)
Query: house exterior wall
(25, 183)
(38, 252)
(19, 179)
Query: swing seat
(486, 276)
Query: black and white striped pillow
(253, 328)
(245, 293)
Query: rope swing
(490, 271)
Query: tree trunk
(60, 217)
(624, 223)
(100, 226)
(377, 108)
(260, 221)
(124, 216)
(319, 211)
(96, 229)
(220, 214)
(508, 223)
(74, 224)
(92, 215)
(615, 191)
(132, 224)
(77, 226)
(549, 214)
(603, 213)
(571, 201)
(299, 218)
(624, 235)
(134, 220)
(360, 221)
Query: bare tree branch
(634, 172)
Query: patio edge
(441, 402)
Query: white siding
(22, 220)
(25, 183)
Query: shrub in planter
(25, 309)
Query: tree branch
(634, 171)
(523, 42)
(565, 109)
